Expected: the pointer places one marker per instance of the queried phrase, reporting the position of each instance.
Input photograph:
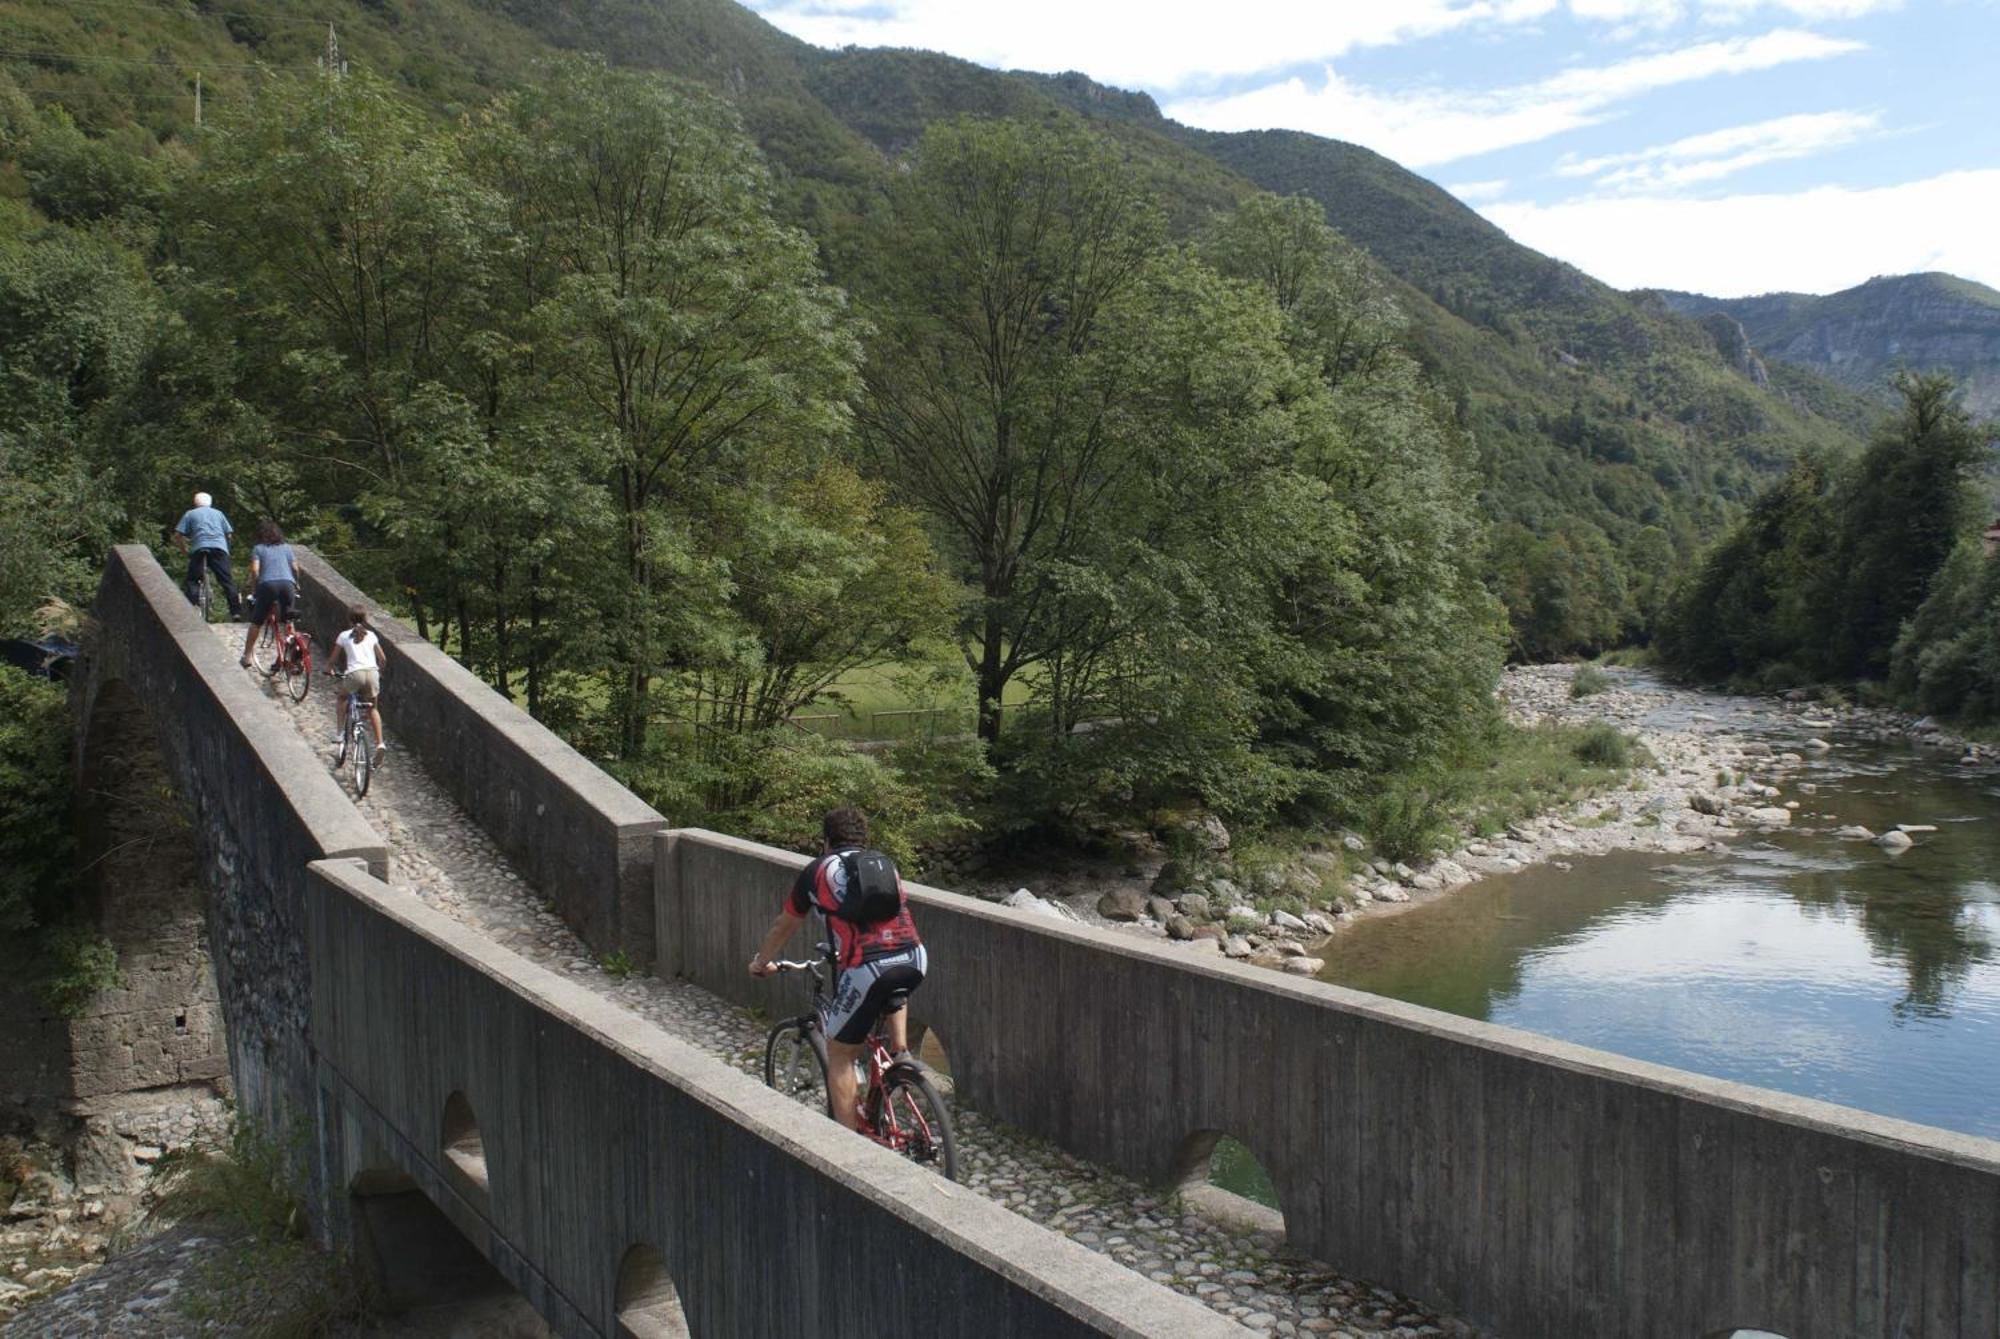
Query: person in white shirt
(358, 658)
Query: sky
(1727, 147)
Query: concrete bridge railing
(584, 840)
(597, 1134)
(1540, 1188)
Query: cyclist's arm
(782, 928)
(181, 540)
(255, 567)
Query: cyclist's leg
(260, 609)
(197, 564)
(841, 1086)
(218, 564)
(895, 1016)
(368, 686)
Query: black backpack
(874, 892)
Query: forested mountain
(1614, 436)
(1861, 335)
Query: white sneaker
(381, 752)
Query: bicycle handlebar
(781, 965)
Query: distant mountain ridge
(1861, 335)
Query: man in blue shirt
(204, 535)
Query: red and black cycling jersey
(819, 888)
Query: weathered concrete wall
(581, 838)
(261, 809)
(599, 1133)
(1539, 1188)
(161, 1024)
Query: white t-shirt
(360, 650)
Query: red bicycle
(900, 1109)
(283, 649)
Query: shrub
(1408, 819)
(1602, 745)
(1588, 681)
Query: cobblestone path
(443, 858)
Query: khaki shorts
(363, 683)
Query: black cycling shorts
(281, 593)
(861, 994)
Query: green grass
(1534, 769)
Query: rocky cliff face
(1862, 335)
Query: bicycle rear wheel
(795, 1062)
(914, 1122)
(298, 668)
(267, 656)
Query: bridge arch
(464, 1149)
(1220, 1175)
(646, 1301)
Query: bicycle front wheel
(913, 1121)
(795, 1062)
(267, 655)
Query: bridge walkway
(443, 858)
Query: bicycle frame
(874, 1054)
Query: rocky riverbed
(1704, 785)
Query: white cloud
(1721, 153)
(1427, 127)
(1815, 241)
(1158, 44)
(1473, 192)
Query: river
(1792, 959)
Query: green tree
(675, 317)
(1018, 237)
(1903, 509)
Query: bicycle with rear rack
(283, 650)
(899, 1106)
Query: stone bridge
(418, 988)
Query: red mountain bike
(900, 1108)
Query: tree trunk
(535, 641)
(992, 679)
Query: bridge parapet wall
(261, 809)
(580, 837)
(1533, 1186)
(598, 1132)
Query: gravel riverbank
(1715, 775)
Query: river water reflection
(1795, 961)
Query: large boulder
(1895, 842)
(1304, 966)
(1023, 900)
(1179, 927)
(1159, 908)
(1121, 904)
(1285, 920)
(1769, 817)
(1194, 906)
(1173, 877)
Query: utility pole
(331, 61)
(197, 99)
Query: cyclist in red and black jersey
(874, 961)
